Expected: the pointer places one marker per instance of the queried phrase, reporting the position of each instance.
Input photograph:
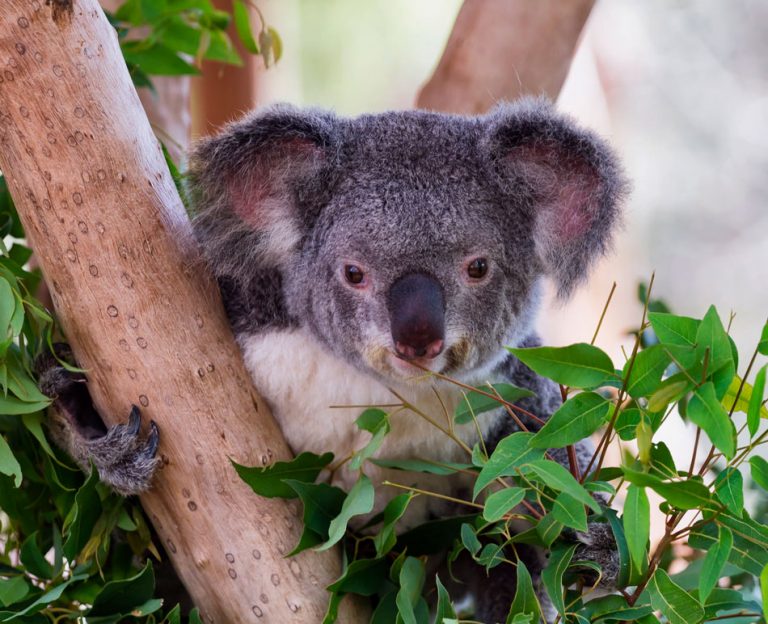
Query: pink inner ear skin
(566, 187)
(259, 190)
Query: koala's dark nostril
(410, 352)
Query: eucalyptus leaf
(637, 525)
(268, 480)
(714, 561)
(577, 419)
(359, 501)
(577, 366)
(552, 575)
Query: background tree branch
(502, 50)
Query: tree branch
(502, 50)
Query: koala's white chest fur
(302, 381)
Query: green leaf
(376, 422)
(762, 346)
(743, 391)
(386, 610)
(614, 608)
(243, 26)
(577, 366)
(552, 575)
(559, 479)
(729, 489)
(674, 330)
(34, 560)
(712, 337)
(444, 608)
(525, 600)
(385, 539)
(12, 406)
(759, 470)
(359, 501)
(744, 555)
(688, 494)
(476, 403)
(122, 596)
(670, 390)
(714, 561)
(8, 463)
(469, 539)
(47, 598)
(13, 590)
(755, 409)
(220, 49)
(706, 411)
(322, 503)
(578, 418)
(411, 581)
(549, 529)
(277, 44)
(570, 512)
(637, 525)
(156, 59)
(648, 367)
(34, 424)
(764, 590)
(673, 601)
(626, 423)
(268, 480)
(83, 516)
(511, 452)
(364, 577)
(7, 307)
(419, 465)
(499, 503)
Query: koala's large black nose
(417, 316)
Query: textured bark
(168, 107)
(502, 49)
(144, 317)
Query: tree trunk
(144, 317)
(502, 49)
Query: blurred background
(679, 87)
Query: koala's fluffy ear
(255, 185)
(567, 177)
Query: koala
(362, 261)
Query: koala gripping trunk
(111, 235)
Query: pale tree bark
(144, 318)
(167, 107)
(502, 49)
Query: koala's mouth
(390, 364)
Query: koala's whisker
(452, 499)
(365, 405)
(418, 412)
(501, 401)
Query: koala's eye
(477, 268)
(354, 274)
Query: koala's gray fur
(286, 197)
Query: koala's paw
(126, 461)
(598, 545)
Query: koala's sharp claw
(153, 439)
(134, 421)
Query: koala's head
(408, 238)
